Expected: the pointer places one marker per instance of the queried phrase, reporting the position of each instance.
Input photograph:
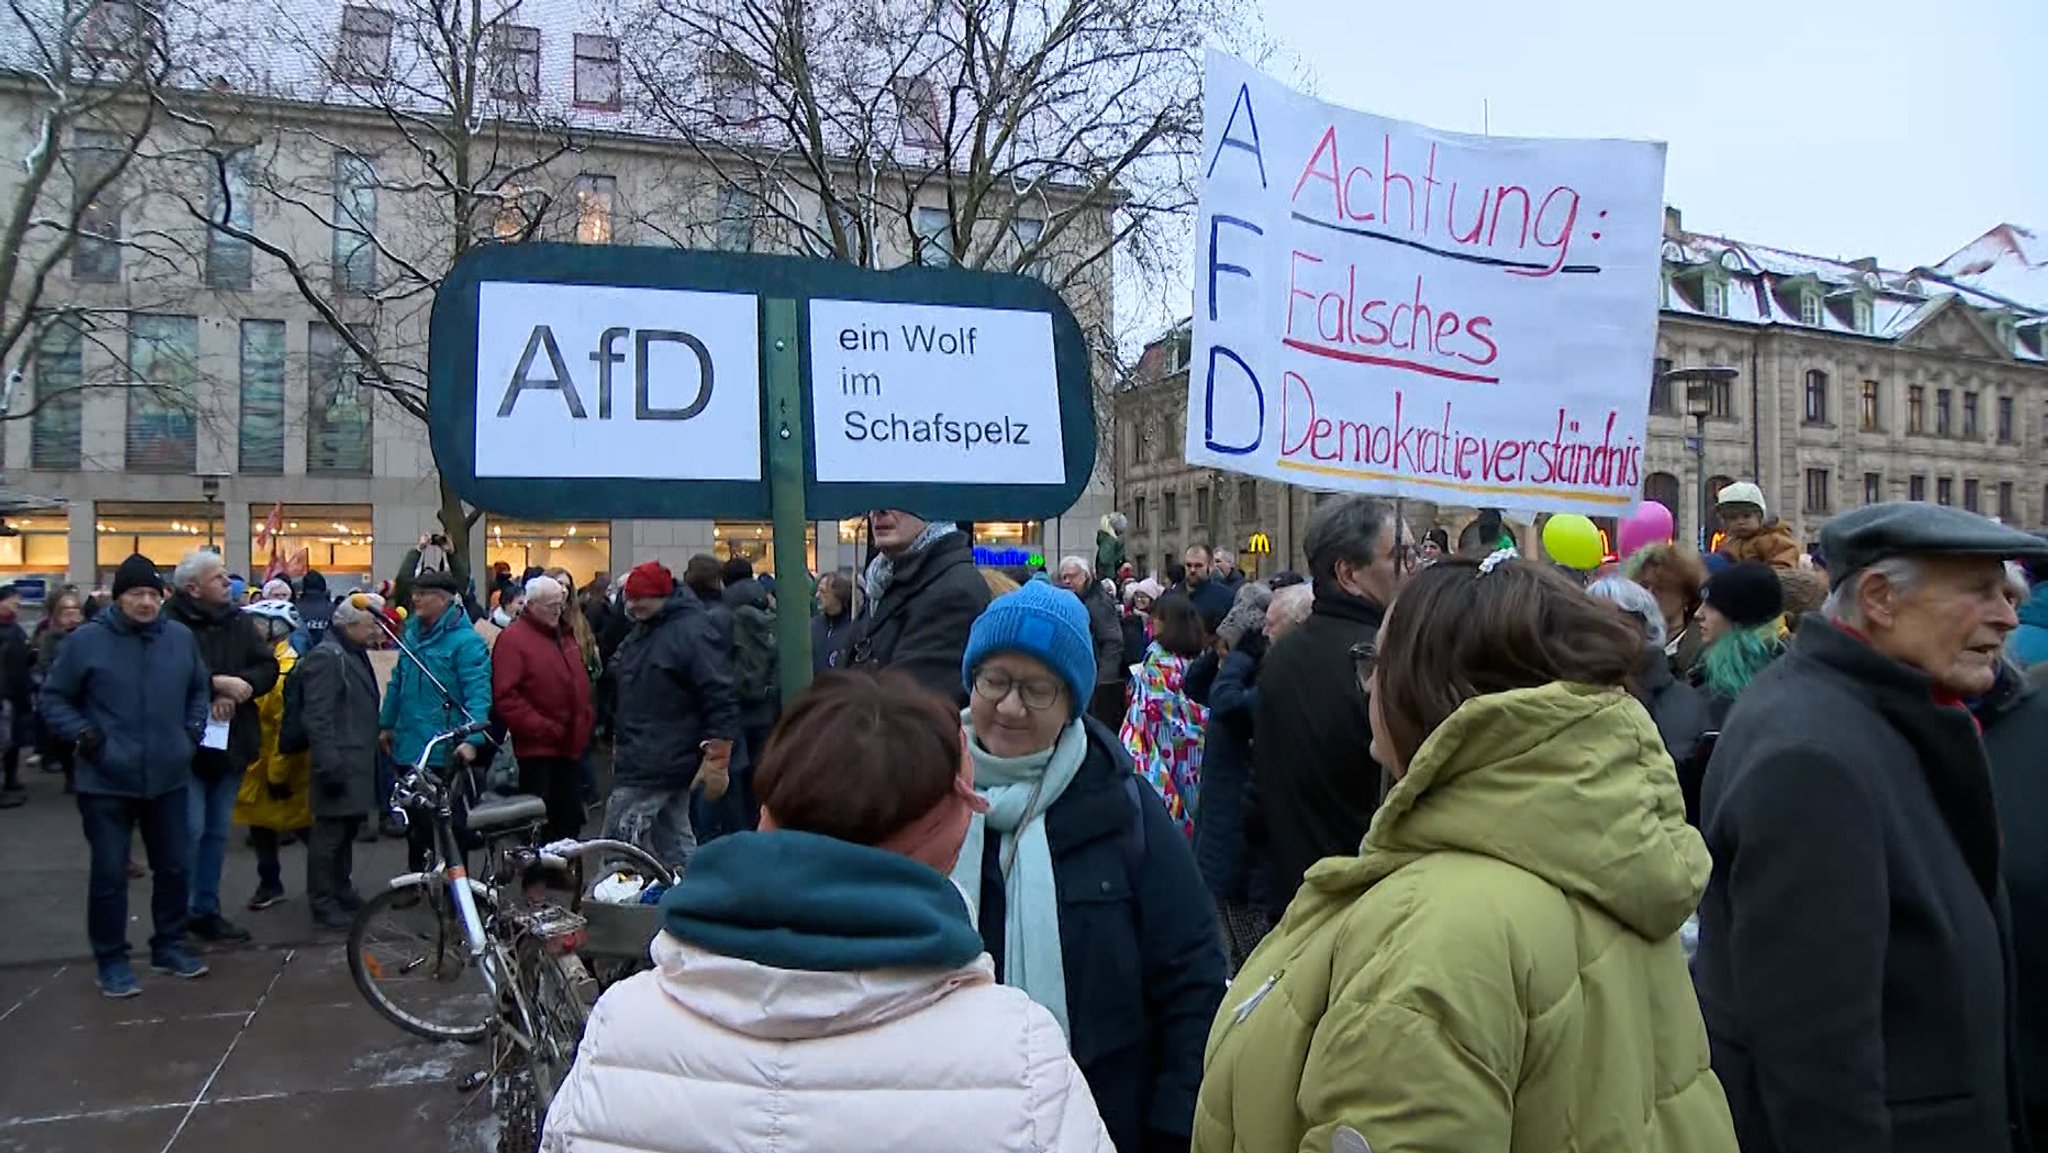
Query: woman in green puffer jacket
(1499, 967)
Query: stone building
(250, 398)
(1854, 384)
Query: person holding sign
(923, 594)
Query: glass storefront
(755, 540)
(582, 547)
(337, 538)
(997, 543)
(41, 546)
(163, 531)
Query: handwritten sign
(1381, 307)
(954, 395)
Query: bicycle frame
(448, 864)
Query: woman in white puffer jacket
(819, 985)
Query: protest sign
(1382, 307)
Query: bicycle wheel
(410, 961)
(563, 993)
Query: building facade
(189, 384)
(1852, 385)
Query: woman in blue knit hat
(1085, 892)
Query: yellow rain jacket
(1498, 969)
(254, 806)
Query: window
(1816, 396)
(1916, 409)
(934, 237)
(227, 257)
(1943, 399)
(736, 211)
(515, 62)
(735, 96)
(338, 407)
(1138, 512)
(1723, 395)
(1970, 416)
(917, 113)
(595, 197)
(1248, 501)
(2006, 511)
(1970, 495)
(2005, 420)
(1811, 312)
(1715, 297)
(57, 437)
(364, 51)
(1819, 498)
(1172, 510)
(1860, 315)
(1944, 490)
(1872, 417)
(96, 158)
(1873, 488)
(355, 223)
(163, 432)
(1663, 488)
(262, 431)
(519, 213)
(1202, 505)
(1660, 388)
(1916, 488)
(597, 72)
(114, 31)
(1026, 231)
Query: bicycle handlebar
(567, 850)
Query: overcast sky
(1901, 129)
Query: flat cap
(437, 580)
(1856, 540)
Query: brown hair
(572, 612)
(1454, 634)
(859, 756)
(1669, 568)
(1177, 625)
(705, 576)
(1804, 592)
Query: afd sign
(587, 381)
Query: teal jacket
(413, 711)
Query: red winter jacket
(541, 690)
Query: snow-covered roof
(2008, 263)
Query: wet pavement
(273, 1051)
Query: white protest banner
(1381, 307)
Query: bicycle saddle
(497, 812)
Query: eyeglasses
(996, 687)
(1362, 656)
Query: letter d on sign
(1234, 404)
(642, 410)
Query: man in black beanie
(131, 690)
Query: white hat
(1741, 492)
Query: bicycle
(512, 955)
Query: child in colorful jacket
(1162, 728)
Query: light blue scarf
(1019, 791)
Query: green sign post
(577, 381)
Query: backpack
(754, 655)
(291, 731)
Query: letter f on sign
(604, 358)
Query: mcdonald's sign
(1258, 544)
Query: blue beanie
(1038, 620)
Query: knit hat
(649, 579)
(1038, 620)
(137, 572)
(1247, 613)
(1748, 594)
(1741, 492)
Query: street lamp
(1700, 384)
(209, 487)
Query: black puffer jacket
(675, 689)
(920, 622)
(1681, 719)
(2015, 720)
(232, 647)
(1229, 688)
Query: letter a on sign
(543, 339)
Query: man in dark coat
(829, 629)
(1225, 679)
(1853, 940)
(338, 693)
(676, 717)
(1212, 596)
(1318, 787)
(243, 667)
(923, 594)
(17, 689)
(131, 690)
(757, 674)
(1107, 634)
(2014, 715)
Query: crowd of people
(1425, 847)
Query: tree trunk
(455, 523)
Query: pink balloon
(1649, 524)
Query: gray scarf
(881, 570)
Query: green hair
(1737, 656)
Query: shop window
(41, 545)
(337, 538)
(582, 547)
(163, 531)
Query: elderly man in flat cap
(1851, 967)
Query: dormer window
(1730, 261)
(1811, 312)
(2006, 340)
(1714, 296)
(1860, 315)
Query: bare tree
(1056, 138)
(432, 137)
